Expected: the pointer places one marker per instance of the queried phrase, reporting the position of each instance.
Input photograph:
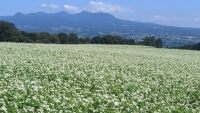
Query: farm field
(98, 78)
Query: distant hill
(87, 24)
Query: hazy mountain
(87, 24)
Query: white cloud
(71, 8)
(92, 7)
(43, 5)
(106, 7)
(54, 6)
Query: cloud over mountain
(106, 7)
(71, 8)
(92, 7)
(53, 6)
(43, 5)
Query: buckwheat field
(48, 78)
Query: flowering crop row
(97, 78)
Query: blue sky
(183, 13)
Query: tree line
(9, 33)
(188, 47)
(109, 39)
(151, 41)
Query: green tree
(73, 38)
(64, 38)
(33, 36)
(84, 40)
(196, 46)
(117, 40)
(54, 39)
(87, 40)
(44, 37)
(96, 40)
(8, 32)
(159, 43)
(131, 41)
(108, 39)
(150, 41)
(24, 37)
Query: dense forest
(9, 33)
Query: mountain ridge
(87, 24)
